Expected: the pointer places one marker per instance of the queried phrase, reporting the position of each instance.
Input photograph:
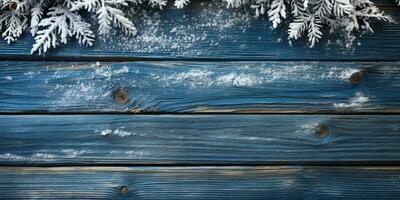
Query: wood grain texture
(278, 182)
(203, 32)
(198, 139)
(198, 87)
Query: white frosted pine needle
(61, 24)
(109, 13)
(181, 3)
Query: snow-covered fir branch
(108, 12)
(308, 17)
(13, 20)
(181, 3)
(61, 24)
(54, 22)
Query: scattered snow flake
(119, 132)
(358, 101)
(8, 78)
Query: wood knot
(355, 78)
(121, 97)
(321, 131)
(12, 6)
(124, 189)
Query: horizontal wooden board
(198, 139)
(142, 183)
(213, 32)
(198, 87)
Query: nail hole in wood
(321, 131)
(121, 97)
(356, 78)
(124, 189)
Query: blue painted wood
(141, 183)
(187, 87)
(218, 33)
(198, 87)
(198, 139)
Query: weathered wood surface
(312, 146)
(142, 183)
(213, 87)
(198, 139)
(218, 33)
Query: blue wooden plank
(217, 33)
(213, 87)
(185, 183)
(198, 139)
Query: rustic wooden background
(205, 103)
